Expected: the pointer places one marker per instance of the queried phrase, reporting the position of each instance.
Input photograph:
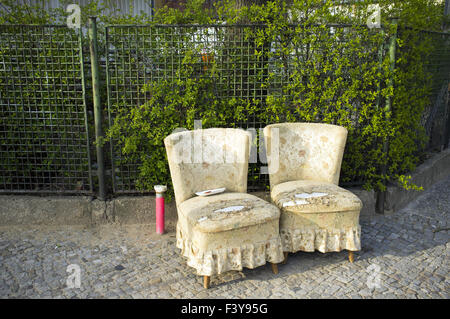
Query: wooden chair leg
(351, 256)
(285, 257)
(206, 281)
(275, 268)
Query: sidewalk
(404, 255)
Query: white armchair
(304, 170)
(213, 240)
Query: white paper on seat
(211, 192)
(312, 195)
(229, 209)
(297, 202)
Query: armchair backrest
(304, 151)
(208, 159)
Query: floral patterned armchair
(212, 238)
(304, 162)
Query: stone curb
(430, 172)
(84, 210)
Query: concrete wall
(70, 210)
(433, 170)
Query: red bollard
(160, 189)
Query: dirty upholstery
(212, 240)
(304, 170)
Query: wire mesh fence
(436, 114)
(141, 54)
(44, 115)
(43, 119)
(244, 68)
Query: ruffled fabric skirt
(223, 258)
(325, 232)
(324, 240)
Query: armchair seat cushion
(206, 214)
(317, 216)
(304, 196)
(215, 240)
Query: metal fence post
(389, 83)
(97, 106)
(380, 66)
(447, 125)
(83, 86)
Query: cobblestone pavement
(404, 255)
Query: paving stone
(411, 248)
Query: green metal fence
(137, 55)
(43, 116)
(436, 117)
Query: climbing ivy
(319, 63)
